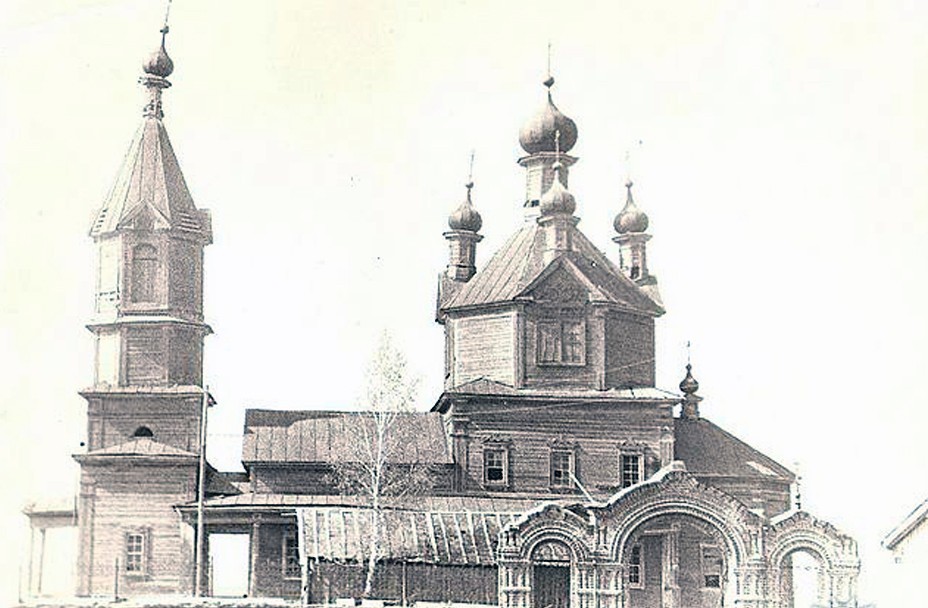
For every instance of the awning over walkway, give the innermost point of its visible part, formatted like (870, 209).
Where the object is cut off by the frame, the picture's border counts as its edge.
(453, 530)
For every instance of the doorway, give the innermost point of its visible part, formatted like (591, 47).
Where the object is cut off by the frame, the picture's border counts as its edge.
(551, 586)
(229, 564)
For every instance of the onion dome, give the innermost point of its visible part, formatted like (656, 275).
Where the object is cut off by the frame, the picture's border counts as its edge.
(631, 218)
(557, 199)
(537, 135)
(158, 63)
(465, 217)
(689, 386)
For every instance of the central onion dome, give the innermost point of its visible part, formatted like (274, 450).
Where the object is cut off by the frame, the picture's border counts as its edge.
(630, 218)
(557, 199)
(537, 135)
(158, 63)
(465, 217)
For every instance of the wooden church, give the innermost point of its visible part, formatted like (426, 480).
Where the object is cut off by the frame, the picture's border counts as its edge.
(559, 474)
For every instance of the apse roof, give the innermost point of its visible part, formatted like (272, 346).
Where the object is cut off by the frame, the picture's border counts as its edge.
(519, 263)
(708, 450)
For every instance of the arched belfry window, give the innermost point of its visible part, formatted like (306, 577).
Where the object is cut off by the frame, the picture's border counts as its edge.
(144, 269)
(143, 431)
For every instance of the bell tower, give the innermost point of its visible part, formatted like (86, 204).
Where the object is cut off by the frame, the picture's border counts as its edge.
(144, 405)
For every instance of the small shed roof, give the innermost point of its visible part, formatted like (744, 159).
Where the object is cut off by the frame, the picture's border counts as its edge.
(445, 530)
(906, 526)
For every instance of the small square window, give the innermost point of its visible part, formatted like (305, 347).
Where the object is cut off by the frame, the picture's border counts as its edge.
(291, 555)
(495, 466)
(562, 468)
(630, 469)
(636, 568)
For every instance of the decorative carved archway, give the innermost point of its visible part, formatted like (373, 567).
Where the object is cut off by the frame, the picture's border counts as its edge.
(836, 552)
(595, 538)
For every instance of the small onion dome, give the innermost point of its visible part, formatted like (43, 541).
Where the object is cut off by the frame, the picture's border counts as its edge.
(158, 63)
(557, 199)
(465, 217)
(537, 135)
(689, 385)
(631, 218)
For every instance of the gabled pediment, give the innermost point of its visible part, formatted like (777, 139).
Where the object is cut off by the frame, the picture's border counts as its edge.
(561, 283)
(574, 279)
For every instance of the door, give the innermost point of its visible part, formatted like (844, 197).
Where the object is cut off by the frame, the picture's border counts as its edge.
(551, 586)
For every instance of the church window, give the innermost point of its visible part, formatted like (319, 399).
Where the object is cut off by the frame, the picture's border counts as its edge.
(495, 466)
(562, 468)
(636, 568)
(561, 343)
(290, 555)
(135, 552)
(143, 431)
(711, 567)
(630, 469)
(144, 268)
(635, 272)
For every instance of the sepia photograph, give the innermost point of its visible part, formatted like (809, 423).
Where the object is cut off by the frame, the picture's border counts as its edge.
(464, 304)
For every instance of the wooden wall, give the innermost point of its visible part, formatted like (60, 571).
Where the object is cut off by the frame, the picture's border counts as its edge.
(629, 350)
(483, 346)
(135, 498)
(596, 433)
(417, 581)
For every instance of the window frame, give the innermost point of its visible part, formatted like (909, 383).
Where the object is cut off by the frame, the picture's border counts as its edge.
(503, 450)
(568, 483)
(638, 549)
(560, 329)
(639, 455)
(289, 541)
(144, 271)
(130, 553)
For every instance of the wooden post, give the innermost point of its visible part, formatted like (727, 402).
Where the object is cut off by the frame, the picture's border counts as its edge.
(41, 560)
(116, 581)
(255, 543)
(201, 491)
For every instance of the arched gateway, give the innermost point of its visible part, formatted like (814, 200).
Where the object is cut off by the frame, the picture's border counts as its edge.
(670, 542)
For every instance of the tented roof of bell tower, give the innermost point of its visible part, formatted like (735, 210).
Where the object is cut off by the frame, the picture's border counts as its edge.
(150, 181)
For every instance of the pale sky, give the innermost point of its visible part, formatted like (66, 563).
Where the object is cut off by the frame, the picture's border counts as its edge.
(782, 162)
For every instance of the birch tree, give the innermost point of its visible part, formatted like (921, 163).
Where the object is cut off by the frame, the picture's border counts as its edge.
(378, 446)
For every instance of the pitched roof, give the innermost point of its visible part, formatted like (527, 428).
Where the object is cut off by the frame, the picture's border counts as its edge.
(519, 264)
(150, 182)
(912, 521)
(278, 436)
(141, 446)
(708, 450)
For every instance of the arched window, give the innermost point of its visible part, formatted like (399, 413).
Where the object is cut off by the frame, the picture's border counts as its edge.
(144, 269)
(143, 431)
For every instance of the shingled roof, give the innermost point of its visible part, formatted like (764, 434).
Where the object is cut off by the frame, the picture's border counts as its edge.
(320, 437)
(519, 264)
(709, 450)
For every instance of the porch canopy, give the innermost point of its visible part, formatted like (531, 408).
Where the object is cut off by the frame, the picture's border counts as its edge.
(446, 530)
